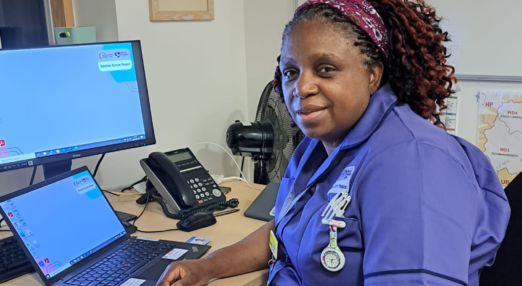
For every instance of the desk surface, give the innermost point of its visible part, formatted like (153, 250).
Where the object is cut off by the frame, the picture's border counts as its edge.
(228, 230)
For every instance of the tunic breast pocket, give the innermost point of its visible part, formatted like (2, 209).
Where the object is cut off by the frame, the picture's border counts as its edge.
(349, 238)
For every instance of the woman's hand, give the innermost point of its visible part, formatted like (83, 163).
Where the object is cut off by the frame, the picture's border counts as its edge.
(187, 273)
(250, 254)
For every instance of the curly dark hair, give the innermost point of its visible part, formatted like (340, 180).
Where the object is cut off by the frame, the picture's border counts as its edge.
(416, 66)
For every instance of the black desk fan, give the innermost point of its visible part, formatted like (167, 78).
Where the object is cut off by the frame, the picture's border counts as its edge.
(270, 140)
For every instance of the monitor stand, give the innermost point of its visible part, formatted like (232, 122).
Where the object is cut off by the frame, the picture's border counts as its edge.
(56, 168)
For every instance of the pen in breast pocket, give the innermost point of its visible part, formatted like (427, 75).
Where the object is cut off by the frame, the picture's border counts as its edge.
(226, 212)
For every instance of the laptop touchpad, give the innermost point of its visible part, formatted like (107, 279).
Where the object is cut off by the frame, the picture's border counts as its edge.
(154, 271)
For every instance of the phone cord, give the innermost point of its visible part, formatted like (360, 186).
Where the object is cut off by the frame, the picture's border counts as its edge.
(182, 214)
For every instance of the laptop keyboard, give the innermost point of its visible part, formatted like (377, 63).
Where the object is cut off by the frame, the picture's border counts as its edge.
(117, 267)
(13, 261)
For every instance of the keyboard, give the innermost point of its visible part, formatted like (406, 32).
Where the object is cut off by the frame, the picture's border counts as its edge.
(119, 265)
(13, 261)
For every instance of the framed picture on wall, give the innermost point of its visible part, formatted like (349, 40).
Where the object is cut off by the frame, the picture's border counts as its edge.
(181, 10)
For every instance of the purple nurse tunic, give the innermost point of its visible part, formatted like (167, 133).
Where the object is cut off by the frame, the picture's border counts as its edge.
(427, 207)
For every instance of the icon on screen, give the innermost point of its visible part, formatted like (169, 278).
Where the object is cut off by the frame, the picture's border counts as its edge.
(22, 234)
(57, 151)
(10, 214)
(16, 224)
(45, 153)
(46, 260)
(76, 148)
(2, 142)
(41, 264)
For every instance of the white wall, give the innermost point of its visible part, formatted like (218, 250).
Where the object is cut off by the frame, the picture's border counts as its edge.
(486, 35)
(98, 13)
(264, 24)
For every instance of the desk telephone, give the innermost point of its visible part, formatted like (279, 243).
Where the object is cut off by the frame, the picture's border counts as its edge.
(183, 183)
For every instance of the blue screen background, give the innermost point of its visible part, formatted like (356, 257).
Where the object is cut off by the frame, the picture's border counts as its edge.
(59, 97)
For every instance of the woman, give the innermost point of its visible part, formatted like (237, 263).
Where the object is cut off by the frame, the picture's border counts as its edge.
(376, 194)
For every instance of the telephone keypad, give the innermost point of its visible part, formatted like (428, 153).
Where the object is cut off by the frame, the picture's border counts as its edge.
(204, 189)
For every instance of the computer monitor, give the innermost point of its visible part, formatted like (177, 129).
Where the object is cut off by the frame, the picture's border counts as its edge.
(60, 103)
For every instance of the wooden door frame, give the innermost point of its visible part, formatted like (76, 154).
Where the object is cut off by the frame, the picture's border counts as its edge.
(62, 13)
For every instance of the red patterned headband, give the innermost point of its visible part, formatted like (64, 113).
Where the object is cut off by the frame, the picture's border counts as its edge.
(361, 13)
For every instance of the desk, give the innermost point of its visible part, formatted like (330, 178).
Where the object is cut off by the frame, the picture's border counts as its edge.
(228, 230)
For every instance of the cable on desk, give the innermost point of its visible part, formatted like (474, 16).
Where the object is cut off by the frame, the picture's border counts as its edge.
(32, 177)
(156, 231)
(144, 208)
(242, 165)
(149, 231)
(109, 192)
(98, 165)
(144, 179)
(105, 191)
(184, 213)
(230, 155)
(96, 172)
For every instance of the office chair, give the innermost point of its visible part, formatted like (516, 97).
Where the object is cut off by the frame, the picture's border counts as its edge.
(507, 270)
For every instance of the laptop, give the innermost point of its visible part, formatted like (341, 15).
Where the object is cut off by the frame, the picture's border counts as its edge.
(72, 236)
(263, 207)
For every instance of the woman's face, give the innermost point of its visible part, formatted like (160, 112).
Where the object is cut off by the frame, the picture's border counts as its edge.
(325, 84)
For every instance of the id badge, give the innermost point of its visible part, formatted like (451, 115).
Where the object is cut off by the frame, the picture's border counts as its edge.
(342, 184)
(273, 244)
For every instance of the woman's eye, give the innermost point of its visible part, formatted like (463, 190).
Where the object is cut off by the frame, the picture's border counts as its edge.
(326, 69)
(289, 73)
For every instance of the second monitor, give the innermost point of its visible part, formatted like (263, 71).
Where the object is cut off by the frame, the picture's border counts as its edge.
(64, 102)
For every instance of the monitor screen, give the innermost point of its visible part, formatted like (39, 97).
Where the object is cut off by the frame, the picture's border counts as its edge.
(63, 227)
(65, 102)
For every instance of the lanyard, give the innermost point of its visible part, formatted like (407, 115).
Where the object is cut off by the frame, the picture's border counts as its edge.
(336, 161)
(338, 157)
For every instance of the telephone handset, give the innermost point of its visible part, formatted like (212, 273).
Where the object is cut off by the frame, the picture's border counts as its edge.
(181, 180)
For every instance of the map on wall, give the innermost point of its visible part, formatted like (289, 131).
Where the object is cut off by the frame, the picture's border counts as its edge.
(449, 115)
(500, 132)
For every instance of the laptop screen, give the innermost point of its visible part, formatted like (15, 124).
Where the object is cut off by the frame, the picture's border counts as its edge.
(64, 222)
